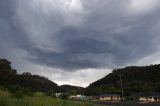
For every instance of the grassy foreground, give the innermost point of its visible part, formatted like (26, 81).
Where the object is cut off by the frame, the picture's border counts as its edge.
(38, 99)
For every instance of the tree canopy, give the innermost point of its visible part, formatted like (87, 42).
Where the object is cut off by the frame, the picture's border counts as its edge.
(134, 79)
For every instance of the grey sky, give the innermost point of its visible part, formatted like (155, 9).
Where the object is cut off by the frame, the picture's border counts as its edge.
(79, 41)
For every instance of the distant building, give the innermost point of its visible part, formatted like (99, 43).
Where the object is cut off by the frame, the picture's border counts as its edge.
(91, 97)
(151, 97)
(77, 97)
(109, 97)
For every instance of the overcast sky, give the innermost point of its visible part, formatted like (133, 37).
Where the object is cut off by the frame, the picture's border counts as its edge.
(79, 41)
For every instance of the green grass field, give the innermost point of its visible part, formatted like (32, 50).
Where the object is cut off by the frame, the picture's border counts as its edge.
(37, 99)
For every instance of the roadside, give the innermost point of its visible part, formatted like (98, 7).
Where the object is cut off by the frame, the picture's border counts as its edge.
(126, 104)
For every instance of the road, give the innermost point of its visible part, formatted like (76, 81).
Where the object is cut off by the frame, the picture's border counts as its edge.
(128, 104)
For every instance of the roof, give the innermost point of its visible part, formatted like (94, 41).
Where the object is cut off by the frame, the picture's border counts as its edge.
(108, 95)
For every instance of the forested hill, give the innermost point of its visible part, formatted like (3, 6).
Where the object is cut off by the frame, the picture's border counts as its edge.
(134, 78)
(69, 88)
(13, 81)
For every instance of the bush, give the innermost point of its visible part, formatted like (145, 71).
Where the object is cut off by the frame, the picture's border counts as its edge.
(3, 88)
(21, 93)
(18, 94)
(51, 93)
(64, 96)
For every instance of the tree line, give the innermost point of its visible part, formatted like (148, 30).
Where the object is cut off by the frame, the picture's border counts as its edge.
(12, 81)
(134, 79)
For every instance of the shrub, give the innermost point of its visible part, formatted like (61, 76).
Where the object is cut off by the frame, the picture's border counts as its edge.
(3, 88)
(64, 96)
(21, 93)
(18, 94)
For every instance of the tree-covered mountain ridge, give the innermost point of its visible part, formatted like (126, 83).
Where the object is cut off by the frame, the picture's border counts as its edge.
(35, 83)
(134, 79)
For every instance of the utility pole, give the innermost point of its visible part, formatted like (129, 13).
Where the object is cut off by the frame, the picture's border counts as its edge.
(121, 87)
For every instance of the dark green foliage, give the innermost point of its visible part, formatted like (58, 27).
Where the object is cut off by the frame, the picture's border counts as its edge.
(69, 89)
(73, 92)
(51, 93)
(134, 78)
(3, 88)
(21, 92)
(18, 94)
(13, 81)
(16, 82)
(146, 90)
(7, 74)
(64, 96)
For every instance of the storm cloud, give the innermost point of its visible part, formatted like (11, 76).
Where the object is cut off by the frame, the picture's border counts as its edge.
(73, 35)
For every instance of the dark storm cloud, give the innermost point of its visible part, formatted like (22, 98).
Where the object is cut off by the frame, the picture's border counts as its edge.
(91, 36)
(89, 52)
(10, 32)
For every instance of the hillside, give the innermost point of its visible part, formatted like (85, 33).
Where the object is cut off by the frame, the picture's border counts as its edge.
(69, 88)
(134, 78)
(35, 83)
